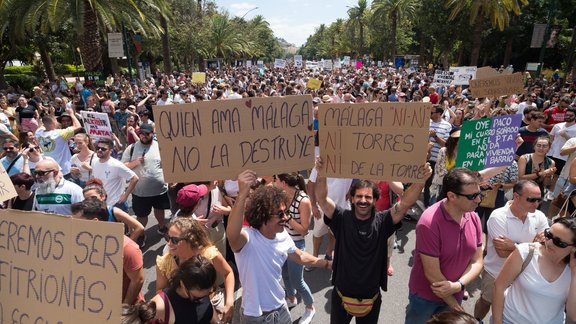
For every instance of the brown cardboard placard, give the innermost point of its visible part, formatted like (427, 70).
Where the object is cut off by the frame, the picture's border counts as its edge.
(486, 72)
(56, 269)
(213, 140)
(7, 190)
(499, 85)
(378, 141)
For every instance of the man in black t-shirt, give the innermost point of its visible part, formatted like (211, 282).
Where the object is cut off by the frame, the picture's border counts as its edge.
(360, 257)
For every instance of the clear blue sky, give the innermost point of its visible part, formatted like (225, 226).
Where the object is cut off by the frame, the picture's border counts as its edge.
(293, 20)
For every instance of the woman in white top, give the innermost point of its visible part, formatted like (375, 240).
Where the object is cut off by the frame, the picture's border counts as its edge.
(546, 287)
(82, 161)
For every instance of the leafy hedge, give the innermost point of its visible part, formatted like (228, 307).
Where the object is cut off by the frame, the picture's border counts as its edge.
(25, 69)
(23, 81)
(66, 69)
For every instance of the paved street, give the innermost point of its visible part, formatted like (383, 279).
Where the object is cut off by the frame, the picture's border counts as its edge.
(393, 302)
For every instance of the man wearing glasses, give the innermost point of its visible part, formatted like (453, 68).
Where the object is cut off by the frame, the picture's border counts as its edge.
(151, 191)
(54, 193)
(448, 253)
(13, 161)
(519, 221)
(114, 175)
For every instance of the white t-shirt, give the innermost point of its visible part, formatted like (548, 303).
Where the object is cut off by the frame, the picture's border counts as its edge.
(114, 175)
(151, 177)
(559, 140)
(522, 106)
(54, 144)
(84, 174)
(59, 202)
(532, 299)
(503, 222)
(566, 171)
(260, 268)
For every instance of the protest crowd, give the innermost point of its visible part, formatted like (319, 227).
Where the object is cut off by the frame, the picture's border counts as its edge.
(483, 224)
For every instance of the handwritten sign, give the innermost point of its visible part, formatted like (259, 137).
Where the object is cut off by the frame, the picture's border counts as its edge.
(337, 63)
(279, 63)
(487, 142)
(328, 65)
(313, 84)
(463, 74)
(380, 141)
(219, 139)
(198, 77)
(298, 61)
(97, 124)
(7, 190)
(443, 77)
(502, 145)
(55, 269)
(500, 85)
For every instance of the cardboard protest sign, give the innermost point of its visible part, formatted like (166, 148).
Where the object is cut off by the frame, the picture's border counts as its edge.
(198, 77)
(443, 77)
(500, 85)
(313, 84)
(260, 63)
(487, 142)
(328, 65)
(54, 269)
(463, 74)
(249, 64)
(337, 64)
(486, 72)
(379, 141)
(97, 124)
(206, 141)
(7, 190)
(346, 60)
(279, 63)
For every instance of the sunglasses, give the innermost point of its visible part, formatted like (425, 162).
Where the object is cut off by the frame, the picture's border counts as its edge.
(32, 148)
(40, 173)
(534, 199)
(174, 239)
(281, 214)
(100, 148)
(9, 148)
(472, 196)
(558, 242)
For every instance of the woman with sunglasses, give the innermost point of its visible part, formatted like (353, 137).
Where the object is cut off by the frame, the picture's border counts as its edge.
(187, 238)
(185, 300)
(300, 215)
(546, 286)
(95, 189)
(537, 166)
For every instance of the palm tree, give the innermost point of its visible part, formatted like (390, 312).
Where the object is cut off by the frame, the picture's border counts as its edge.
(92, 19)
(223, 39)
(357, 18)
(498, 11)
(395, 10)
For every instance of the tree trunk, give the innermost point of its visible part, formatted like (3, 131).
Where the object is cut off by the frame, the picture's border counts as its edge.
(476, 39)
(393, 36)
(89, 40)
(3, 83)
(165, 45)
(508, 51)
(114, 65)
(361, 41)
(422, 51)
(461, 55)
(46, 60)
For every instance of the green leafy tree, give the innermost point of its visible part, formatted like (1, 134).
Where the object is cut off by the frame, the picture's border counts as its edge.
(357, 17)
(395, 10)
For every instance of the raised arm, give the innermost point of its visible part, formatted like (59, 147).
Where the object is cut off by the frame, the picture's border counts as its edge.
(236, 238)
(410, 197)
(321, 191)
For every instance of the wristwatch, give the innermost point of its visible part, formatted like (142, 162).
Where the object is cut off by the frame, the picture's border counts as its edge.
(462, 286)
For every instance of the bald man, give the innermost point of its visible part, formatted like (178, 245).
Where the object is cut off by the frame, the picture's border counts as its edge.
(54, 194)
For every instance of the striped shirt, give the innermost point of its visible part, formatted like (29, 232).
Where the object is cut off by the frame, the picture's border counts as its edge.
(442, 129)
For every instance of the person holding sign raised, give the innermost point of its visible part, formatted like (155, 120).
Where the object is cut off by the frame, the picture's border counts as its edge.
(262, 249)
(360, 257)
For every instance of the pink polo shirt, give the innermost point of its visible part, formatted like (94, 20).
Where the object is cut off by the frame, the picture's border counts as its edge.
(439, 236)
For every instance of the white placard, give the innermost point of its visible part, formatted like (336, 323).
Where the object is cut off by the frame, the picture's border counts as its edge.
(298, 61)
(279, 63)
(463, 74)
(97, 124)
(115, 45)
(443, 77)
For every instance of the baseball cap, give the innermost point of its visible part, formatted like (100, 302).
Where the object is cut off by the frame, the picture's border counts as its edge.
(189, 195)
(146, 128)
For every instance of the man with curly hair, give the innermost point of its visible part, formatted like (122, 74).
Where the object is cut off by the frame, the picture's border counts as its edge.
(262, 249)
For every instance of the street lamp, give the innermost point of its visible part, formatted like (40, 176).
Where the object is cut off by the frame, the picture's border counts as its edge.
(247, 12)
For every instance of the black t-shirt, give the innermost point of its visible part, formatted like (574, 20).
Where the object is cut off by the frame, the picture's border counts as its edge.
(187, 311)
(529, 140)
(361, 252)
(26, 112)
(27, 204)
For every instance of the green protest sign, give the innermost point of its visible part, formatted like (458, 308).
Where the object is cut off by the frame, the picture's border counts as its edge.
(473, 144)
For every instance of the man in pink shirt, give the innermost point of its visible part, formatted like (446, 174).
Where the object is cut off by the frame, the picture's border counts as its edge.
(448, 248)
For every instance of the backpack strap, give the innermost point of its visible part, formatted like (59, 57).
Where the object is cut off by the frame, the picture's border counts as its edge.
(131, 152)
(12, 163)
(528, 259)
(90, 163)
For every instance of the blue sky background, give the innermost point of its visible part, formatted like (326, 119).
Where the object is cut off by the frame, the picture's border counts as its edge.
(293, 20)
